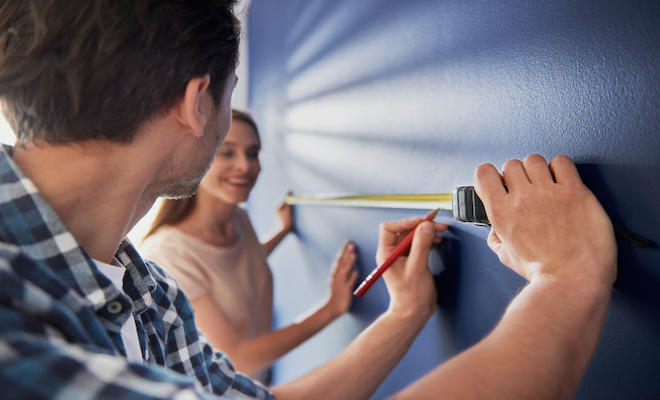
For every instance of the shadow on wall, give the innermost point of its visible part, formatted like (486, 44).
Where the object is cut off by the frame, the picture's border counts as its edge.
(629, 196)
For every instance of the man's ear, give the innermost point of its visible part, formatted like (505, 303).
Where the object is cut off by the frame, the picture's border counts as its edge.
(195, 105)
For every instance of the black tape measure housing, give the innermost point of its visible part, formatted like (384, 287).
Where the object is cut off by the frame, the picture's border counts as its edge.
(467, 206)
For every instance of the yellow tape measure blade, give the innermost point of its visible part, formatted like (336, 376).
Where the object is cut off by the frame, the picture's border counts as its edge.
(406, 201)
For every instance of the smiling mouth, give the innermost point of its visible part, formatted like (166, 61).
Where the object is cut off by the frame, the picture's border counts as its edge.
(240, 182)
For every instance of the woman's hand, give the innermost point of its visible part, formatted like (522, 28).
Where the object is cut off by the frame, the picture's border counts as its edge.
(285, 213)
(342, 280)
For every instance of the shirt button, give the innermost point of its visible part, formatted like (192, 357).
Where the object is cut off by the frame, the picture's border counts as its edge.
(114, 307)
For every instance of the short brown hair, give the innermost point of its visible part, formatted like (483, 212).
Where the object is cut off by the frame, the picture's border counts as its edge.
(72, 70)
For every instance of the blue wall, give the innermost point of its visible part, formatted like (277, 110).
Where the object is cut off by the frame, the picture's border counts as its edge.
(385, 96)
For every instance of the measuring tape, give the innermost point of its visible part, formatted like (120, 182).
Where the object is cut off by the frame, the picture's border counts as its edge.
(464, 202)
(409, 201)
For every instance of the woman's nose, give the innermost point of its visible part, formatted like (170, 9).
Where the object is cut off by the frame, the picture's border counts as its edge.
(243, 163)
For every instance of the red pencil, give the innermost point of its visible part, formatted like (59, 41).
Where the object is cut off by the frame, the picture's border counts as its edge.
(396, 253)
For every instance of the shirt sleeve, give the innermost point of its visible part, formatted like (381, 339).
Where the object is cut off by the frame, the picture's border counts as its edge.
(40, 361)
(214, 371)
(34, 368)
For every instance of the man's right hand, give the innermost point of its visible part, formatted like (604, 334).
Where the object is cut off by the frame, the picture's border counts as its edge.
(546, 221)
(409, 280)
(554, 232)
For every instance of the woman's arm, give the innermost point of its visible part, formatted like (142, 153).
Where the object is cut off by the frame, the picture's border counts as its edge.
(285, 214)
(255, 354)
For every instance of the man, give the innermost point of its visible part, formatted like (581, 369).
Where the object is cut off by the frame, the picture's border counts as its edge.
(118, 102)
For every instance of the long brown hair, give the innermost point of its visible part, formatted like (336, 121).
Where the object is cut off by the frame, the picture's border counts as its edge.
(172, 211)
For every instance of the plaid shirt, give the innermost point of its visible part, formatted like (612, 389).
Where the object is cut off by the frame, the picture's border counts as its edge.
(60, 317)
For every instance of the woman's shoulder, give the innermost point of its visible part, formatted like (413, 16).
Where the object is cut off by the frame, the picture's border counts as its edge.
(241, 213)
(167, 240)
(163, 235)
(245, 228)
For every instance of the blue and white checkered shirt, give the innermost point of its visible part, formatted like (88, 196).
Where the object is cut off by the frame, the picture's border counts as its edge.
(60, 318)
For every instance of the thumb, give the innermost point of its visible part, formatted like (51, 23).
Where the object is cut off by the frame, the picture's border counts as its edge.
(494, 241)
(495, 244)
(421, 245)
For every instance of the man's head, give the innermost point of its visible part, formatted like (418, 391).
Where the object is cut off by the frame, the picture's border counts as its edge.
(73, 70)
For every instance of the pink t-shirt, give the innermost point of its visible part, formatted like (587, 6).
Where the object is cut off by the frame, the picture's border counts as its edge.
(237, 277)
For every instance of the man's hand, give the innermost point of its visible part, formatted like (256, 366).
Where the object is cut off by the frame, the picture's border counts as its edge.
(547, 220)
(357, 372)
(552, 231)
(409, 280)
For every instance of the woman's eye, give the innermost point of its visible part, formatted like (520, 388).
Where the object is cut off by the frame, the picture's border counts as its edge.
(225, 154)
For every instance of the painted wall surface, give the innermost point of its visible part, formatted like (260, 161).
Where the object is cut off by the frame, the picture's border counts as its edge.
(388, 96)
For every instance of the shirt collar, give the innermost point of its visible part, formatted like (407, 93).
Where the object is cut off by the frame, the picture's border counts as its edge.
(28, 221)
(141, 285)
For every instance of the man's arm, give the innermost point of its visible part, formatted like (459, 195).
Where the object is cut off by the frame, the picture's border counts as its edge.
(358, 371)
(554, 233)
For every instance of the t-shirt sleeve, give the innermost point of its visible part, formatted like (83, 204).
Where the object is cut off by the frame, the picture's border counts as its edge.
(180, 262)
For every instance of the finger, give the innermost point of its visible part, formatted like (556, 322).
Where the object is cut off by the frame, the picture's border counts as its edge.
(494, 241)
(536, 168)
(488, 184)
(421, 245)
(344, 250)
(401, 225)
(440, 227)
(348, 260)
(514, 174)
(564, 170)
(496, 245)
(348, 255)
(393, 232)
(352, 279)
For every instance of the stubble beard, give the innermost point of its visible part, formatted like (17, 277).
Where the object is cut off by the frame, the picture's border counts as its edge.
(188, 181)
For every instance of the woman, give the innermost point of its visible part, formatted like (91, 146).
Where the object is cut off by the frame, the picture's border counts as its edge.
(208, 244)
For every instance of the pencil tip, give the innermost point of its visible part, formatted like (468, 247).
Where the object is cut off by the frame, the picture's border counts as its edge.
(433, 213)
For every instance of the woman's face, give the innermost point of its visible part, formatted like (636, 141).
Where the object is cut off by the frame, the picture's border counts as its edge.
(236, 166)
